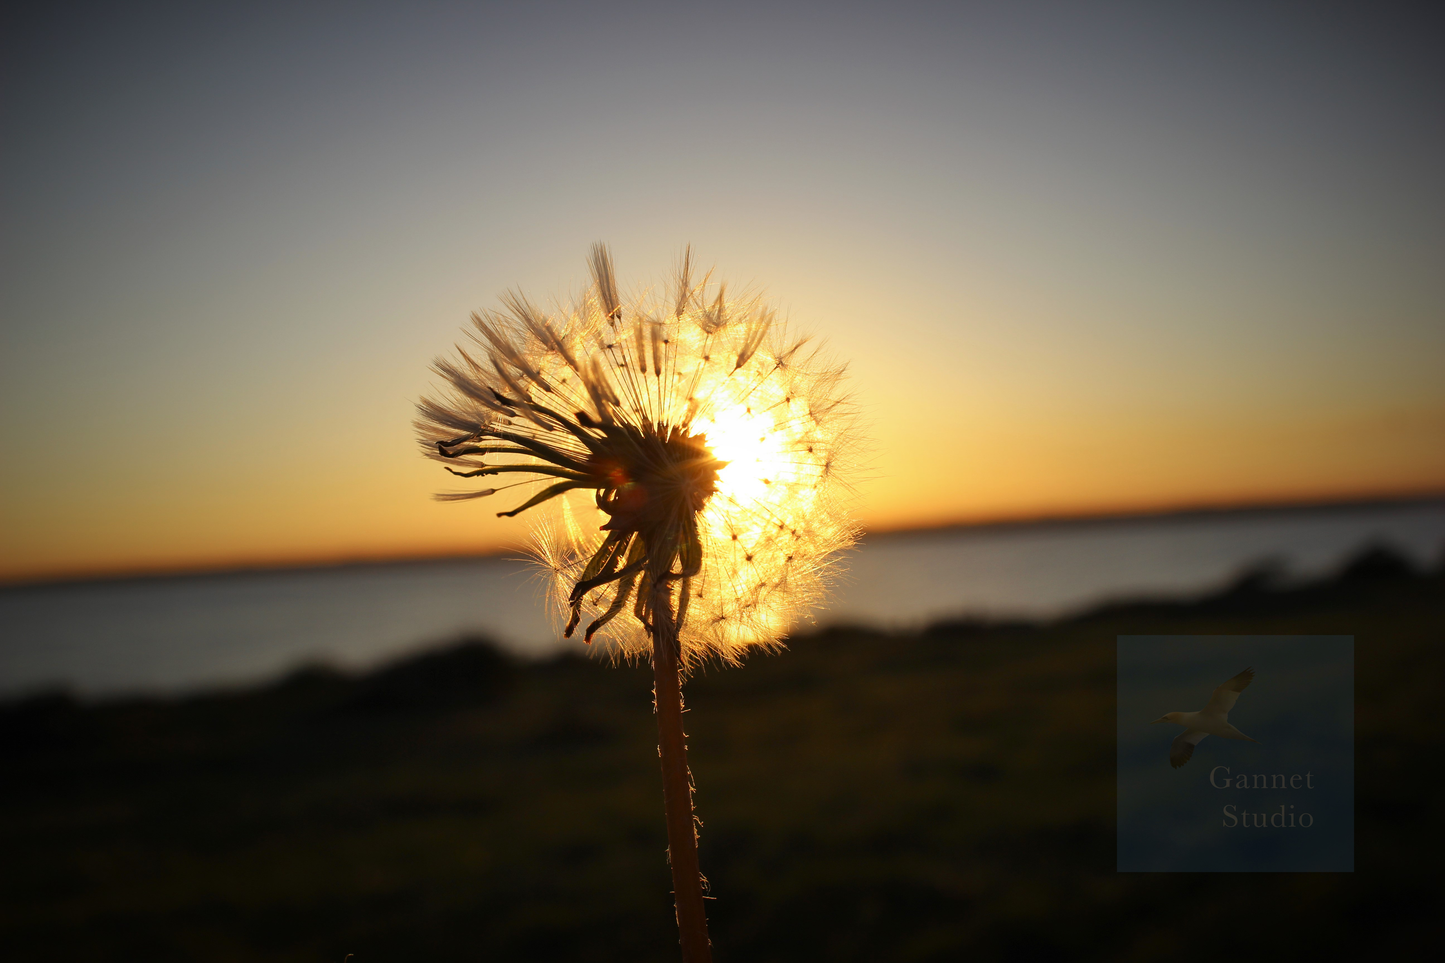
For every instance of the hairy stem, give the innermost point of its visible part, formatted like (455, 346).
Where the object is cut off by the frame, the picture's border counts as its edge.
(677, 784)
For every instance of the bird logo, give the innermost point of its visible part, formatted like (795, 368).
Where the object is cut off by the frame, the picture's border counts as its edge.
(1212, 720)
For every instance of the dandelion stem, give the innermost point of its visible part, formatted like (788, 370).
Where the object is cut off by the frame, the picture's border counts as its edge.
(677, 782)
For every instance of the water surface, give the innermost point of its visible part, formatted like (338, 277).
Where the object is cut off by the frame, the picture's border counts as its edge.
(168, 634)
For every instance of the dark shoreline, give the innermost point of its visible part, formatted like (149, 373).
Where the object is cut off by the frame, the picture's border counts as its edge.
(1203, 514)
(866, 796)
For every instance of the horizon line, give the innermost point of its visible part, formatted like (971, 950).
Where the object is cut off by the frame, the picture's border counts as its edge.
(1103, 517)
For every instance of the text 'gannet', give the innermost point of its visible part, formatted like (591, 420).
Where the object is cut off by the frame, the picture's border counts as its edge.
(1212, 720)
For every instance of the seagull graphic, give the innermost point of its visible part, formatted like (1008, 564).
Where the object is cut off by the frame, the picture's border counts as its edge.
(1213, 720)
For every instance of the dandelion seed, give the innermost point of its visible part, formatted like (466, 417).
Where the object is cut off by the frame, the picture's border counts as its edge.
(694, 448)
(686, 439)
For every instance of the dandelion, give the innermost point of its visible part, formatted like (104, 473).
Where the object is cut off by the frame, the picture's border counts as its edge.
(696, 452)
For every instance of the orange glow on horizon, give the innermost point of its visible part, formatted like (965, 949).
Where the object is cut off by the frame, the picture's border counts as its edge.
(125, 565)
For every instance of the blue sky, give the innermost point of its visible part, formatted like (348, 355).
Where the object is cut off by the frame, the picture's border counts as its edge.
(1080, 258)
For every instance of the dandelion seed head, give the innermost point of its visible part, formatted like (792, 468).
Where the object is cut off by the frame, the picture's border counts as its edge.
(693, 443)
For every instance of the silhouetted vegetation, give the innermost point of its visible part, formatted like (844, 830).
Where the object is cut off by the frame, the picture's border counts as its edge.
(867, 797)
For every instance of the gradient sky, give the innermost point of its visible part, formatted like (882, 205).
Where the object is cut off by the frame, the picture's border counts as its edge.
(1082, 258)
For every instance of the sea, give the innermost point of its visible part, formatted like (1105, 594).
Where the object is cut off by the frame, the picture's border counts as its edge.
(181, 634)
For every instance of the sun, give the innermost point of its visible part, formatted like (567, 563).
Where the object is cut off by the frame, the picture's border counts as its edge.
(751, 446)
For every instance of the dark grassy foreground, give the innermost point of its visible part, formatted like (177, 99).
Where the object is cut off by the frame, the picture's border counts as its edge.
(866, 797)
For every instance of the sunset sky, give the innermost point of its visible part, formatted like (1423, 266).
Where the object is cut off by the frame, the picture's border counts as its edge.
(1081, 258)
